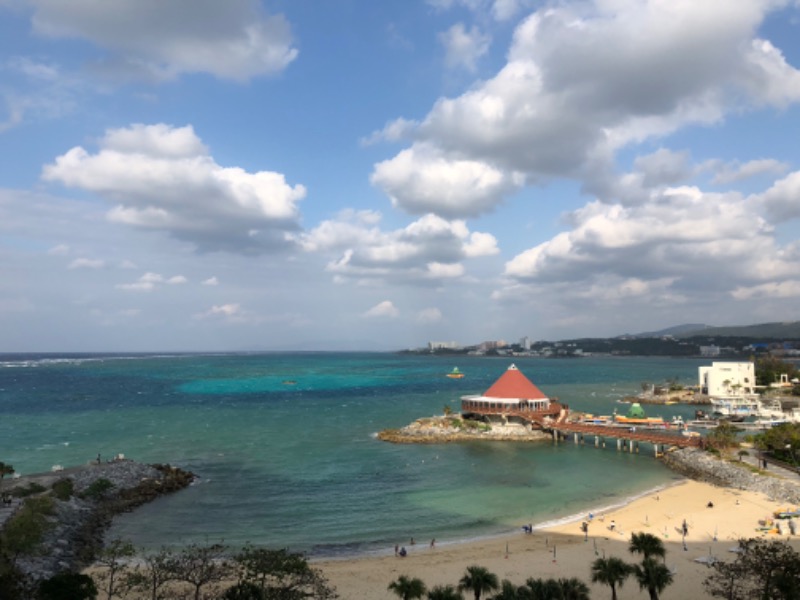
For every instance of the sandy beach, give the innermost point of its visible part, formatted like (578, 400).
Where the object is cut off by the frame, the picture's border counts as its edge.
(560, 551)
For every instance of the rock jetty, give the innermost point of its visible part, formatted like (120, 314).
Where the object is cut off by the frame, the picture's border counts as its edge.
(703, 466)
(85, 500)
(454, 428)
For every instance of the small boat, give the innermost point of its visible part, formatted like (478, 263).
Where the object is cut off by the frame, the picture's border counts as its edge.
(455, 374)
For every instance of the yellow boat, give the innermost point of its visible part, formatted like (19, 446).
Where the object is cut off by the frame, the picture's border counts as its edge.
(455, 374)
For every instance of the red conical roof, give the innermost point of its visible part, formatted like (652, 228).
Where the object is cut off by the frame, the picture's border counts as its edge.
(513, 384)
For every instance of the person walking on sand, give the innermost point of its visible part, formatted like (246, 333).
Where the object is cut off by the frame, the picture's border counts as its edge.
(433, 543)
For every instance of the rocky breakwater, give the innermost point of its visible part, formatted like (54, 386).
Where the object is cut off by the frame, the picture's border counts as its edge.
(78, 506)
(703, 466)
(454, 428)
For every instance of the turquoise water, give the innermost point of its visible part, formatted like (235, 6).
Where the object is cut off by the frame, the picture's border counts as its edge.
(297, 464)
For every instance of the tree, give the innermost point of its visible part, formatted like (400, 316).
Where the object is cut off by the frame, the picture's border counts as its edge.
(24, 532)
(112, 581)
(407, 588)
(762, 569)
(652, 576)
(444, 592)
(508, 591)
(723, 436)
(157, 569)
(6, 470)
(611, 571)
(573, 588)
(478, 580)
(281, 574)
(67, 586)
(781, 440)
(244, 590)
(647, 545)
(201, 566)
(541, 589)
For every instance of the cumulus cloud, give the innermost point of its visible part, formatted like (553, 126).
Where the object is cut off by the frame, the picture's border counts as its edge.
(684, 245)
(234, 40)
(780, 200)
(464, 47)
(582, 81)
(162, 178)
(428, 248)
(423, 180)
(383, 309)
(211, 281)
(59, 250)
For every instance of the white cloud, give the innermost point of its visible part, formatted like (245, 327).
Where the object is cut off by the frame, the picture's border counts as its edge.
(363, 250)
(59, 250)
(582, 81)
(161, 178)
(150, 281)
(421, 180)
(211, 281)
(771, 290)
(383, 309)
(160, 40)
(87, 263)
(464, 47)
(733, 172)
(781, 200)
(429, 315)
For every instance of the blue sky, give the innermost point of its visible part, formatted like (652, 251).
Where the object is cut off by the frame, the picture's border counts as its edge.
(205, 175)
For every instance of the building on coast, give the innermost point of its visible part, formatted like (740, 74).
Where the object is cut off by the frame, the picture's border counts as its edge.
(513, 397)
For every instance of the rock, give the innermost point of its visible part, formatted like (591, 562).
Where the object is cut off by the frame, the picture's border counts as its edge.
(702, 466)
(453, 428)
(80, 523)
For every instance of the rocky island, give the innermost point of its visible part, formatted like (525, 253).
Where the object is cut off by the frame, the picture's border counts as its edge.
(455, 428)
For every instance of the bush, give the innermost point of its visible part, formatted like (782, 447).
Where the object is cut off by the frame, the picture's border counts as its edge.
(28, 490)
(67, 586)
(63, 489)
(97, 489)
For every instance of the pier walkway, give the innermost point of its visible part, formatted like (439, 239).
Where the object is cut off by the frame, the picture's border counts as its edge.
(627, 437)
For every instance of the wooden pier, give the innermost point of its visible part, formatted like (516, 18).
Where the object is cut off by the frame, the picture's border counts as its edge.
(627, 438)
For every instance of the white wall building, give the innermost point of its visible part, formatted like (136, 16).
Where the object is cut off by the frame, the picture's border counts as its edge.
(728, 379)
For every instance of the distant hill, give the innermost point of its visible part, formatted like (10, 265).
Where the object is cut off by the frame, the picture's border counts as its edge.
(777, 331)
(676, 331)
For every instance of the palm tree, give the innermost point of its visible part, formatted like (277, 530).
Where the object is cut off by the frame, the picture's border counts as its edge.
(612, 571)
(407, 588)
(652, 575)
(541, 589)
(479, 580)
(573, 589)
(508, 591)
(444, 592)
(647, 544)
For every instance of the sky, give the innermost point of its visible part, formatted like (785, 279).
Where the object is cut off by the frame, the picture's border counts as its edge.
(200, 175)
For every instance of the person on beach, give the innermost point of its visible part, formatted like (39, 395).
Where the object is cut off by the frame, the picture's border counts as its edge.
(402, 552)
(685, 528)
(433, 543)
(395, 549)
(613, 525)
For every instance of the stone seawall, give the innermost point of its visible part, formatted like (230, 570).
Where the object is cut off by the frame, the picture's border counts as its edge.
(99, 492)
(702, 466)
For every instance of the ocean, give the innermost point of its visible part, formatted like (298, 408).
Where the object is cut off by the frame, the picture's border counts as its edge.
(285, 449)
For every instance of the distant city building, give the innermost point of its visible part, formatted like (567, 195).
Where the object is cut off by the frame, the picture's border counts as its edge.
(709, 351)
(433, 346)
(525, 343)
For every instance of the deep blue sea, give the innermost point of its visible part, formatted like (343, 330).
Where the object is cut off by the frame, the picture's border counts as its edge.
(285, 446)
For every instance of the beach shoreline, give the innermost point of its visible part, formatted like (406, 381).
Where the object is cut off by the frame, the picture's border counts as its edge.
(563, 550)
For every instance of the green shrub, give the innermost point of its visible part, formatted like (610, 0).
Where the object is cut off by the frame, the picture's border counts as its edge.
(63, 489)
(28, 490)
(97, 489)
